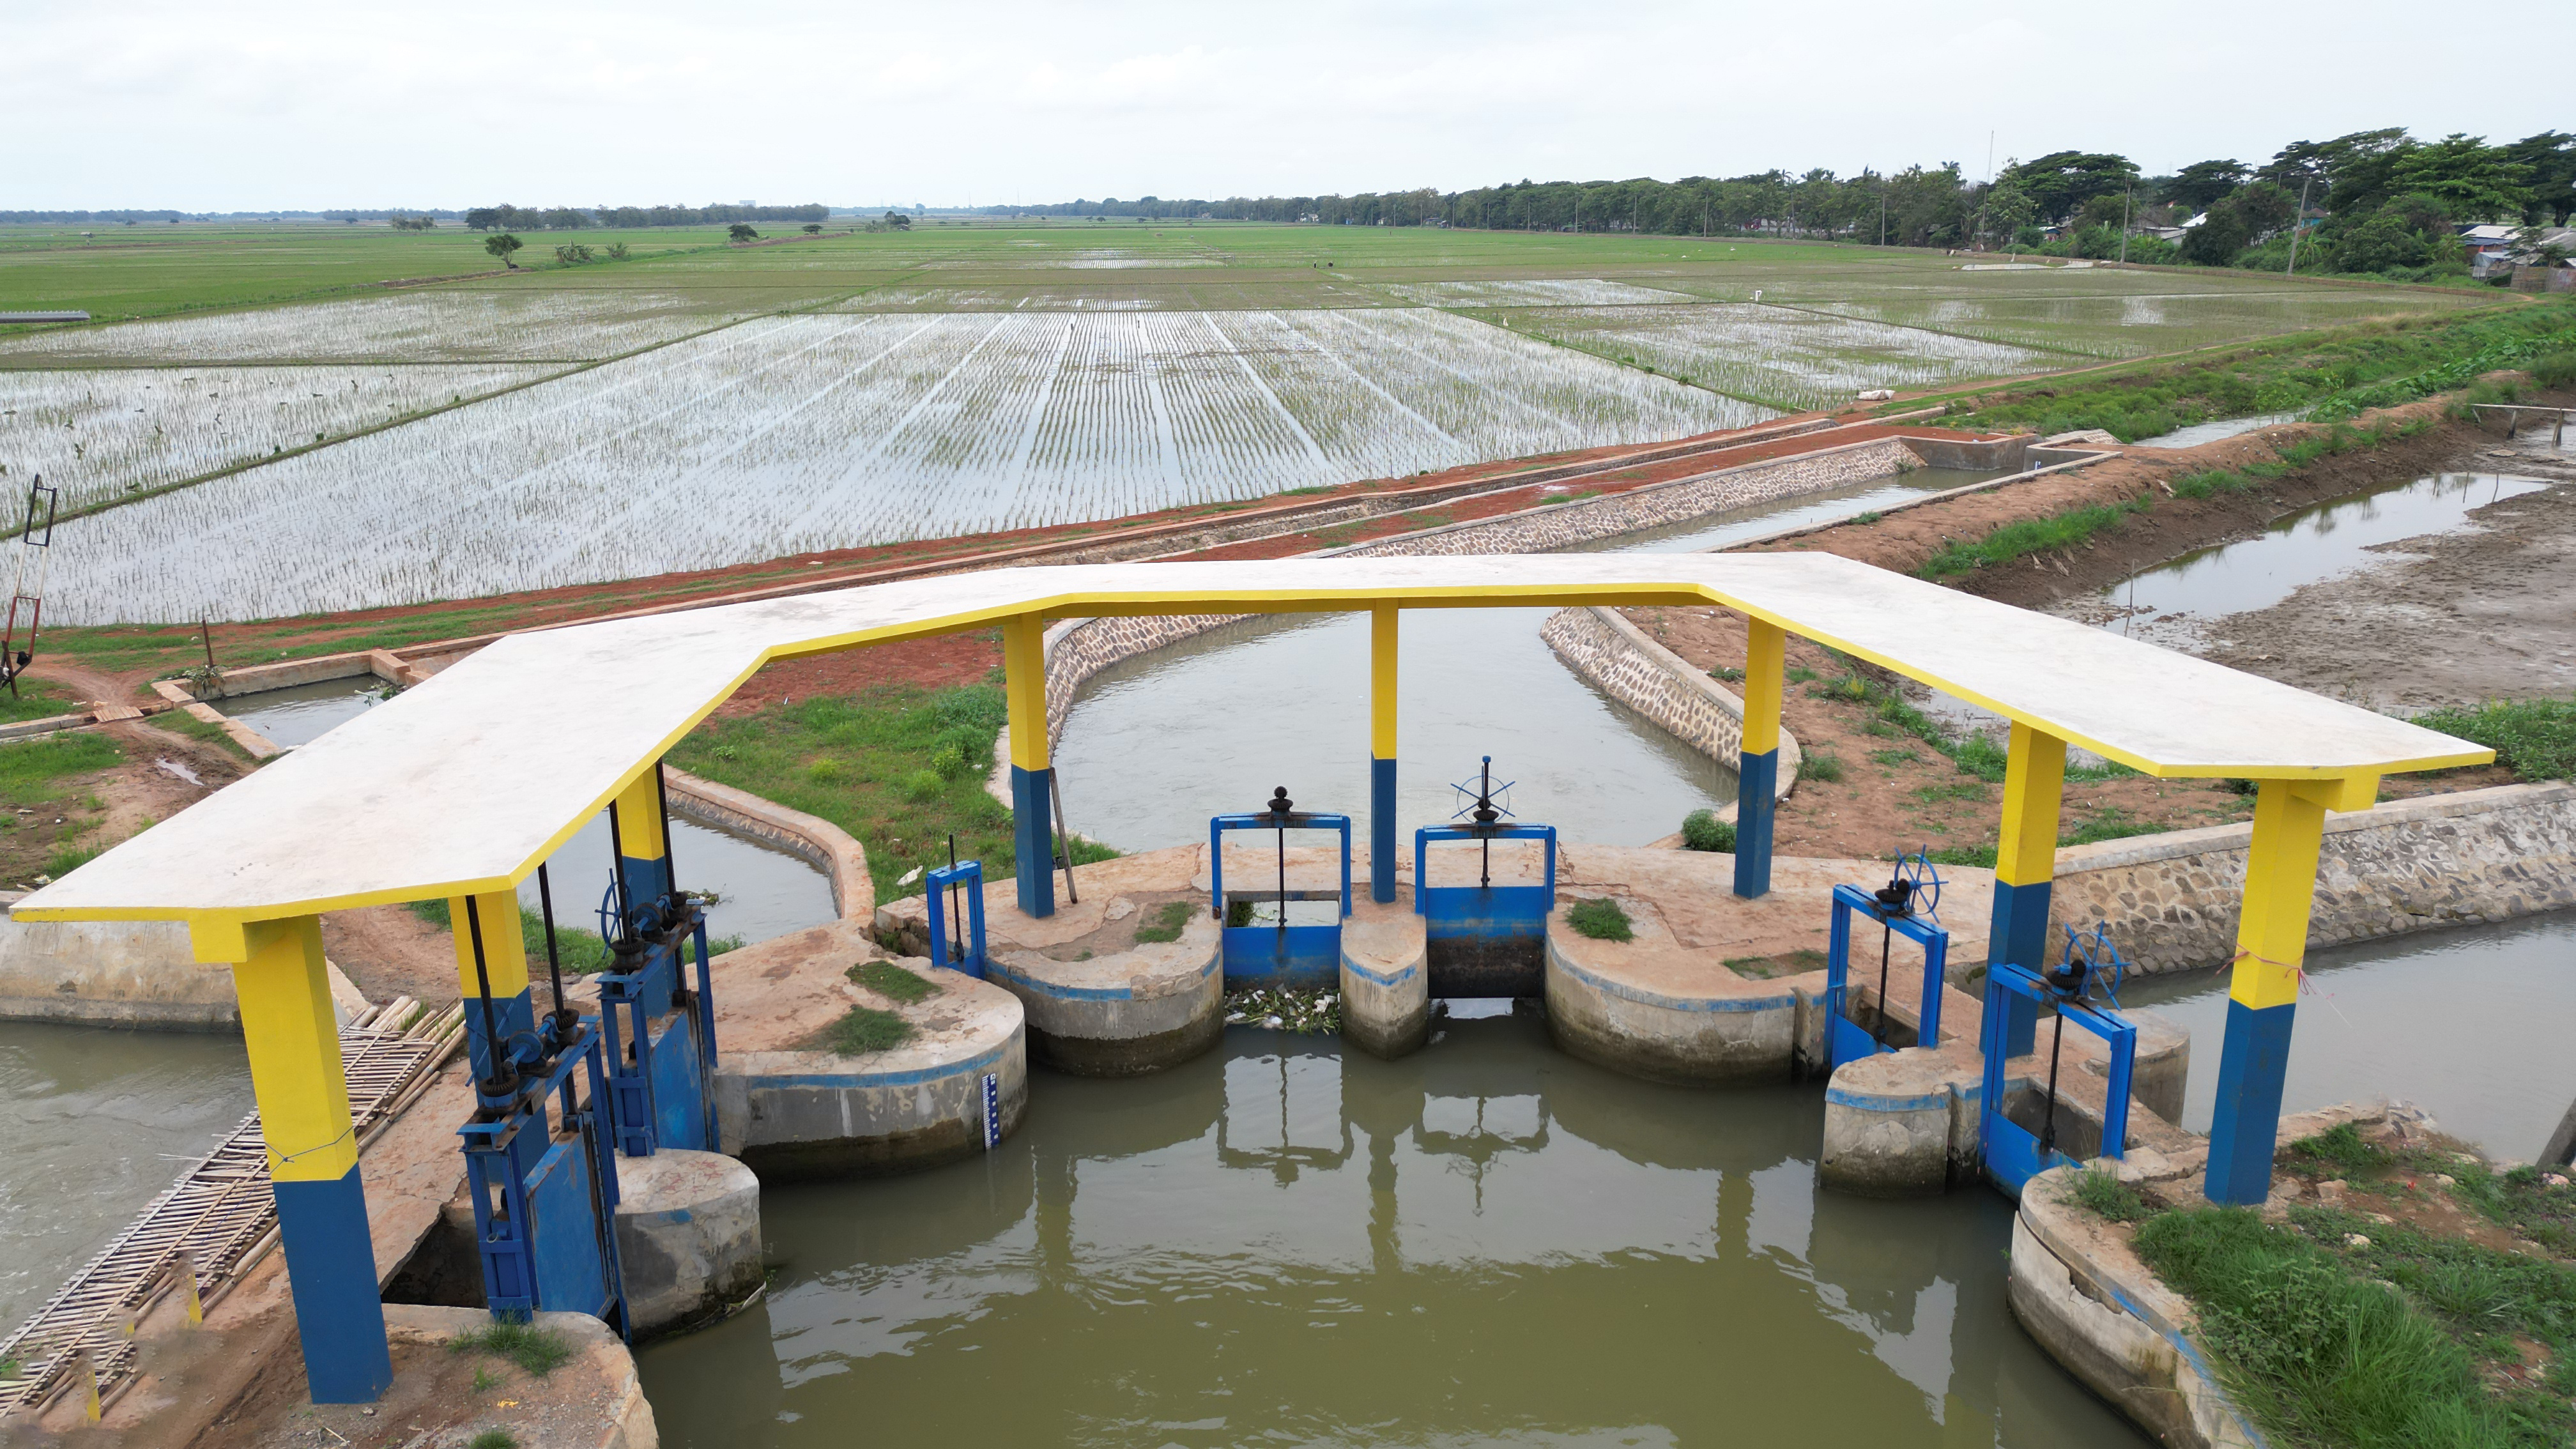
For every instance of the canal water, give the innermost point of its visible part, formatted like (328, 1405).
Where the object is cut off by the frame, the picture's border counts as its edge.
(761, 891)
(302, 713)
(1485, 1243)
(98, 1122)
(1157, 744)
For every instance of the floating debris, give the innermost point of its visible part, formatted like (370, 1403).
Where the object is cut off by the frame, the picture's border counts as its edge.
(1308, 1011)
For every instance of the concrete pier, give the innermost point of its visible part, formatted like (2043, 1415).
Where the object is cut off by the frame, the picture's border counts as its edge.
(1385, 980)
(688, 1238)
(1099, 1001)
(792, 1107)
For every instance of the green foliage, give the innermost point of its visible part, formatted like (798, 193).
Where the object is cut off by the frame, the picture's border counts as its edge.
(539, 1351)
(2106, 1196)
(892, 982)
(501, 246)
(2210, 484)
(1702, 830)
(71, 858)
(1601, 919)
(2558, 369)
(1167, 921)
(2341, 1147)
(2534, 738)
(2020, 537)
(493, 1439)
(864, 1029)
(1822, 767)
(2315, 1353)
(741, 231)
(30, 770)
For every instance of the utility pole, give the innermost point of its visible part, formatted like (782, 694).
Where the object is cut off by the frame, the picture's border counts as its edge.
(2297, 221)
(2124, 223)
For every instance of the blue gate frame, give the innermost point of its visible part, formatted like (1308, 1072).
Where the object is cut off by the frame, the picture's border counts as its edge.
(544, 1181)
(1282, 954)
(1483, 940)
(1844, 1040)
(969, 877)
(661, 1041)
(2012, 1152)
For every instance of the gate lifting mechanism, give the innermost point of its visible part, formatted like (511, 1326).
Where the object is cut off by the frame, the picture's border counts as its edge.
(1484, 940)
(661, 1035)
(1278, 954)
(957, 937)
(2014, 1153)
(1909, 905)
(27, 590)
(542, 1172)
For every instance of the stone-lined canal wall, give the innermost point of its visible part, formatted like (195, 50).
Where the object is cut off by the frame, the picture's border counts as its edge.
(1617, 657)
(824, 845)
(2469, 858)
(1080, 648)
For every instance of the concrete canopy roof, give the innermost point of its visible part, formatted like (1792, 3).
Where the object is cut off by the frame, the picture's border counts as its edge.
(465, 783)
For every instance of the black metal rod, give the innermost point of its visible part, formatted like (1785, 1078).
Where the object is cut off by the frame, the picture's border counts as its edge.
(1283, 875)
(546, 906)
(1886, 936)
(662, 795)
(956, 923)
(617, 871)
(483, 987)
(1063, 841)
(2048, 1126)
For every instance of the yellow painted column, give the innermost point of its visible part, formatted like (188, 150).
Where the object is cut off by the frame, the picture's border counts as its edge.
(1757, 767)
(2263, 994)
(1032, 777)
(495, 914)
(2025, 871)
(643, 841)
(292, 1035)
(1382, 677)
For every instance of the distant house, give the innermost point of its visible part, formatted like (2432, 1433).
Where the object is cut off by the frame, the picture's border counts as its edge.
(2489, 247)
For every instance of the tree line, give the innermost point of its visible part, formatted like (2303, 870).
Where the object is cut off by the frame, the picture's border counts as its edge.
(506, 217)
(2375, 201)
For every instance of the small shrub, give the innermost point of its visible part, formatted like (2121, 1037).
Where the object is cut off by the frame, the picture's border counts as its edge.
(924, 785)
(492, 1439)
(71, 858)
(892, 982)
(540, 1351)
(2343, 1147)
(2105, 1196)
(864, 1029)
(1601, 919)
(1728, 673)
(826, 771)
(1822, 768)
(1702, 830)
(1166, 922)
(2534, 738)
(2558, 369)
(949, 761)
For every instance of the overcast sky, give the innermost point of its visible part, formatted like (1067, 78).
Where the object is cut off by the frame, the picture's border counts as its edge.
(215, 105)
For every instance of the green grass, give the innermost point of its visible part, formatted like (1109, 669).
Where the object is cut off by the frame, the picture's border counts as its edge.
(493, 1439)
(1601, 919)
(1168, 920)
(892, 982)
(2105, 1196)
(2321, 1355)
(30, 771)
(2341, 1148)
(882, 785)
(2071, 528)
(2534, 738)
(1702, 830)
(1821, 766)
(580, 952)
(71, 858)
(539, 1351)
(864, 1029)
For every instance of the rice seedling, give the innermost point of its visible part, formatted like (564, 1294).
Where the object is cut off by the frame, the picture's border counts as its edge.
(441, 326)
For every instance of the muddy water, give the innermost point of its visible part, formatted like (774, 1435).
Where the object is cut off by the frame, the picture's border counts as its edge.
(97, 1123)
(1485, 1243)
(762, 891)
(2470, 1025)
(1156, 745)
(303, 713)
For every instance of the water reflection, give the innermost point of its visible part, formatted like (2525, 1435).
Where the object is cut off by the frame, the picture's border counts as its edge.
(1487, 1242)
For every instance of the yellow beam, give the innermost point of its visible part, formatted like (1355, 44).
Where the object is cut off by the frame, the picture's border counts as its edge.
(1382, 639)
(505, 951)
(2280, 884)
(639, 822)
(2034, 786)
(1025, 687)
(294, 1042)
(1766, 653)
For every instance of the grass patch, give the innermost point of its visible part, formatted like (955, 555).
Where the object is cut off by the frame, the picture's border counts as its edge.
(180, 722)
(2317, 1354)
(864, 1029)
(71, 858)
(1601, 919)
(1702, 830)
(2024, 536)
(2105, 1196)
(2341, 1147)
(1822, 767)
(907, 770)
(1166, 923)
(2534, 738)
(493, 1439)
(29, 770)
(892, 982)
(539, 1351)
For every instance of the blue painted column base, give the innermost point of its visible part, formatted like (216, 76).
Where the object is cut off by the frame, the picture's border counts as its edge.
(647, 878)
(2017, 932)
(2247, 1125)
(331, 1269)
(1382, 831)
(1757, 784)
(516, 1018)
(1033, 838)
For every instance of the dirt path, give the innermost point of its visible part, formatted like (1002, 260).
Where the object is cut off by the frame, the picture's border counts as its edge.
(386, 952)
